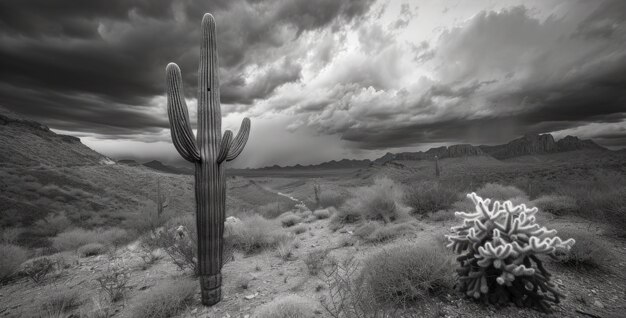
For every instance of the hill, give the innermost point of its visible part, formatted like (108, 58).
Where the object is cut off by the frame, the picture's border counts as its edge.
(159, 166)
(29, 143)
(539, 144)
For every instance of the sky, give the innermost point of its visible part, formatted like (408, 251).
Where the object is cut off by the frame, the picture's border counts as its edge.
(321, 80)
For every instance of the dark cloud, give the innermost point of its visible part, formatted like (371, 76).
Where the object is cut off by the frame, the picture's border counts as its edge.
(78, 54)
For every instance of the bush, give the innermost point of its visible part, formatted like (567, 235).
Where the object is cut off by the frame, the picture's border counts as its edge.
(427, 197)
(299, 229)
(91, 249)
(273, 210)
(169, 298)
(255, 233)
(322, 214)
(441, 216)
(113, 282)
(289, 219)
(382, 200)
(588, 252)
(290, 306)
(314, 260)
(555, 204)
(343, 216)
(501, 192)
(37, 269)
(329, 199)
(12, 257)
(58, 301)
(179, 240)
(500, 268)
(285, 250)
(390, 232)
(408, 272)
(75, 238)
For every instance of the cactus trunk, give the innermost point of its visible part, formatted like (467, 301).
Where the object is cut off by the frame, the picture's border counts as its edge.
(209, 154)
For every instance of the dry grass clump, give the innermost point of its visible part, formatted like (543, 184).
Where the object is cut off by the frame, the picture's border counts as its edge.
(58, 302)
(323, 213)
(375, 232)
(330, 199)
(299, 229)
(91, 249)
(380, 201)
(169, 298)
(255, 233)
(496, 191)
(408, 272)
(442, 215)
(314, 260)
(75, 238)
(12, 257)
(289, 219)
(273, 210)
(430, 196)
(290, 306)
(37, 269)
(555, 204)
(588, 252)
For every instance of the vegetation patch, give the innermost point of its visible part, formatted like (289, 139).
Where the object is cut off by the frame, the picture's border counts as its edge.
(12, 257)
(290, 306)
(169, 298)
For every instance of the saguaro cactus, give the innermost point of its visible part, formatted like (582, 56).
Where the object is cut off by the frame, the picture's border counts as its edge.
(209, 154)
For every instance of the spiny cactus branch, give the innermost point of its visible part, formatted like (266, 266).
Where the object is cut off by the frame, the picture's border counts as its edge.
(240, 140)
(226, 144)
(182, 135)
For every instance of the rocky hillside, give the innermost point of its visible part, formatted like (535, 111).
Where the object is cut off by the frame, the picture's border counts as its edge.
(538, 145)
(27, 143)
(454, 151)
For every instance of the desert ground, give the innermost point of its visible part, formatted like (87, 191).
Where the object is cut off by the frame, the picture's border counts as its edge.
(297, 235)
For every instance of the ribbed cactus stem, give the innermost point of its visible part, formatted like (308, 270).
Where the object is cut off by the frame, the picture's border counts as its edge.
(208, 154)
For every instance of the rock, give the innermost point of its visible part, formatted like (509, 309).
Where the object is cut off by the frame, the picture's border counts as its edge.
(248, 297)
(598, 304)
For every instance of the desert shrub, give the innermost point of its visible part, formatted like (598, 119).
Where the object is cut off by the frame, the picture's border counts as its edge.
(38, 269)
(314, 260)
(408, 272)
(555, 204)
(255, 233)
(390, 232)
(348, 295)
(179, 240)
(299, 229)
(601, 200)
(382, 200)
(284, 250)
(366, 229)
(290, 306)
(344, 216)
(167, 299)
(114, 282)
(431, 196)
(441, 216)
(12, 257)
(91, 249)
(59, 300)
(273, 210)
(500, 268)
(322, 213)
(497, 191)
(289, 219)
(588, 252)
(75, 238)
(53, 224)
(329, 199)
(10, 235)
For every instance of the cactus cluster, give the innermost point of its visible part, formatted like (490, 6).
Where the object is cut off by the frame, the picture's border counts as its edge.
(209, 153)
(500, 245)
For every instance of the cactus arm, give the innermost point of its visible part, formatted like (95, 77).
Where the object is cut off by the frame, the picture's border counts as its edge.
(225, 146)
(240, 140)
(182, 135)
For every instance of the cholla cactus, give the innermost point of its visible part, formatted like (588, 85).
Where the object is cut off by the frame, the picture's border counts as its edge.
(500, 244)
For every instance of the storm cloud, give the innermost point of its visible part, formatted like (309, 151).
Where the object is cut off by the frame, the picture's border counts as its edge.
(352, 77)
